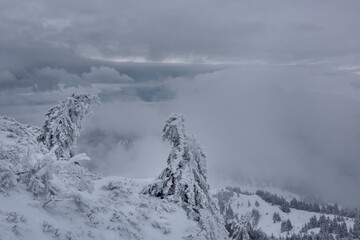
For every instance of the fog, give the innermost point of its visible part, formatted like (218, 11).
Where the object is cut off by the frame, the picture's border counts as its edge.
(270, 89)
(295, 126)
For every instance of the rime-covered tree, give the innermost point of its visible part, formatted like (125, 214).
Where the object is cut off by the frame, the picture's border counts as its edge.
(286, 226)
(356, 228)
(237, 230)
(63, 123)
(276, 217)
(184, 180)
(255, 216)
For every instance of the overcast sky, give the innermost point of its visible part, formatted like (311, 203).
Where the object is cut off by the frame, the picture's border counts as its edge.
(271, 88)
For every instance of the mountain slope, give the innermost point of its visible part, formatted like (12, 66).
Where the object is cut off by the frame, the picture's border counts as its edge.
(247, 206)
(82, 205)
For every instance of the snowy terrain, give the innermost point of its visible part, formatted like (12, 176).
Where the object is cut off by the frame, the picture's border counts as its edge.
(245, 202)
(46, 196)
(89, 206)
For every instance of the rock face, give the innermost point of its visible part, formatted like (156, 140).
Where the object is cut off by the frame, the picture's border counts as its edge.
(184, 180)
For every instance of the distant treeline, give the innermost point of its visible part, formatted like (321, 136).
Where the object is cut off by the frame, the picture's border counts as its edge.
(328, 229)
(285, 206)
(242, 227)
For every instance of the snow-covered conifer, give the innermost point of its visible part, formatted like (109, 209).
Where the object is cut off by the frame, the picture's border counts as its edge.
(286, 226)
(63, 123)
(184, 180)
(276, 217)
(356, 228)
(237, 231)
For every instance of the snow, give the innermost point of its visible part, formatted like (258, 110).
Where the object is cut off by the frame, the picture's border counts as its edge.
(122, 213)
(240, 206)
(86, 205)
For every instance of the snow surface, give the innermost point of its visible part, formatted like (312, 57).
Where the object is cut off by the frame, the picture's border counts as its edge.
(120, 213)
(87, 206)
(243, 204)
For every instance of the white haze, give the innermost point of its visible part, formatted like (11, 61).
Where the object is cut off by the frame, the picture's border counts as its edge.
(297, 125)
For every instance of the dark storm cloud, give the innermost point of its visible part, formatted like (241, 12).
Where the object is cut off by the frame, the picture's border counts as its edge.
(83, 39)
(202, 31)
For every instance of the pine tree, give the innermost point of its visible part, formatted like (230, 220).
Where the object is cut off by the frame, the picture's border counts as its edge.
(184, 180)
(276, 217)
(255, 215)
(229, 214)
(313, 222)
(237, 230)
(63, 123)
(286, 226)
(356, 227)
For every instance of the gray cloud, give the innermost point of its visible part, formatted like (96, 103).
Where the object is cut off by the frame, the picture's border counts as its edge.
(290, 125)
(7, 80)
(289, 111)
(49, 79)
(105, 75)
(167, 31)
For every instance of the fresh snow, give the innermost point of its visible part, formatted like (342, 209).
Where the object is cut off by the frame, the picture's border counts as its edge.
(43, 197)
(85, 205)
(243, 204)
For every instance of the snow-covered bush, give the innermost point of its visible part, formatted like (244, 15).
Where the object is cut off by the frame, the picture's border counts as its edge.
(63, 123)
(7, 176)
(69, 174)
(38, 177)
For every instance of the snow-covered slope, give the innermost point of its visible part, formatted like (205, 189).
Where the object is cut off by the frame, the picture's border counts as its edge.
(114, 210)
(44, 199)
(245, 204)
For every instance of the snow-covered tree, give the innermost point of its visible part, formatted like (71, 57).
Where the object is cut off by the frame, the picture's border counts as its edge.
(356, 228)
(255, 216)
(286, 226)
(184, 180)
(237, 230)
(63, 123)
(276, 217)
(38, 178)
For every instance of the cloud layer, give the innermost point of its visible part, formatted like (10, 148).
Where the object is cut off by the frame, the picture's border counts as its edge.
(294, 126)
(159, 30)
(270, 88)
